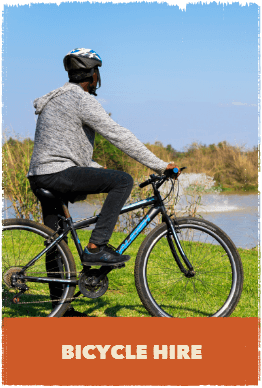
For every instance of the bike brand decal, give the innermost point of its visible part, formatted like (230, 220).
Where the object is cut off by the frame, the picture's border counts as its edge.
(151, 199)
(134, 234)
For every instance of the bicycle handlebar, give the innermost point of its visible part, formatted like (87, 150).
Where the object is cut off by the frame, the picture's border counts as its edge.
(154, 178)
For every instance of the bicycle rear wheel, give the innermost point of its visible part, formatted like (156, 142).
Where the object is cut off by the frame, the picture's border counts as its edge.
(22, 240)
(213, 291)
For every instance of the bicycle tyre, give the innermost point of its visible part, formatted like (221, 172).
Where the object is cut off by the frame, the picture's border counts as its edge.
(22, 240)
(166, 292)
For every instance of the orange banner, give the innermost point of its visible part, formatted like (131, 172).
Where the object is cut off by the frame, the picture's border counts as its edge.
(130, 351)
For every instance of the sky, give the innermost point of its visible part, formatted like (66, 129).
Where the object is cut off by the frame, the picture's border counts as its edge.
(170, 75)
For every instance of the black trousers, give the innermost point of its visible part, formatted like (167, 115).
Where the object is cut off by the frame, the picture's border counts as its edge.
(76, 182)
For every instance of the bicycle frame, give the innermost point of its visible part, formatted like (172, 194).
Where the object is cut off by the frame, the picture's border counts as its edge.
(158, 206)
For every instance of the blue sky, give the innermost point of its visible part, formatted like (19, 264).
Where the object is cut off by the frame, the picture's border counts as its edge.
(169, 75)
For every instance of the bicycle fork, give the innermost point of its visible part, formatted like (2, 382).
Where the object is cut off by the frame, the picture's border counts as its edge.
(172, 232)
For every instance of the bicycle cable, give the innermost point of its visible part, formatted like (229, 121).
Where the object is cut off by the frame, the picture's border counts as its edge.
(172, 187)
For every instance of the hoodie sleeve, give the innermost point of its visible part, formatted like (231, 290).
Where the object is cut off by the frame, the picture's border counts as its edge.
(94, 164)
(94, 115)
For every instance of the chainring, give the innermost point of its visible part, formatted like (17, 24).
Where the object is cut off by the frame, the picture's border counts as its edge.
(8, 276)
(87, 287)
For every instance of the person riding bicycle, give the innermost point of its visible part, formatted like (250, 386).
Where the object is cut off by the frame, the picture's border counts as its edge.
(68, 119)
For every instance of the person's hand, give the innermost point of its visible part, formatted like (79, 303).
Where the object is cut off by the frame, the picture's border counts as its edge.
(171, 166)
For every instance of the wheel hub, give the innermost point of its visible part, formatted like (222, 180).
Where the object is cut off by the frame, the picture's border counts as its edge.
(190, 274)
(8, 277)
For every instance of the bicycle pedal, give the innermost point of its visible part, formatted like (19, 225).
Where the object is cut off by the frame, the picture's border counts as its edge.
(118, 266)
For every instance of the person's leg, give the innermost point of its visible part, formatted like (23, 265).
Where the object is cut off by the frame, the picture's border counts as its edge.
(90, 180)
(50, 211)
(118, 185)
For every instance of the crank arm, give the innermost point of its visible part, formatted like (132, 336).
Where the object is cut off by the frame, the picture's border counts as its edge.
(103, 272)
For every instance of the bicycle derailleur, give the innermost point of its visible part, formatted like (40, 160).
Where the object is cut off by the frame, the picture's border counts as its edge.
(12, 280)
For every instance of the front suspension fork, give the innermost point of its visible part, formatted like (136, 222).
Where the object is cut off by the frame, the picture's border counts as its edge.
(172, 232)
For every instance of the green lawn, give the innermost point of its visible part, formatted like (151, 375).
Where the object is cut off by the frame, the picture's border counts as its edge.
(121, 299)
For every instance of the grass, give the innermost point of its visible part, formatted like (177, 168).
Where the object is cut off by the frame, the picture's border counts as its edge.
(122, 300)
(248, 304)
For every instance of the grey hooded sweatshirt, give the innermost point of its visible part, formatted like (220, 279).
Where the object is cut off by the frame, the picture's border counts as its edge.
(68, 118)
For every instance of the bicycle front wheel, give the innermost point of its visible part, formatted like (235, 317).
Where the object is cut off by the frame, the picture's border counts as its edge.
(22, 240)
(213, 291)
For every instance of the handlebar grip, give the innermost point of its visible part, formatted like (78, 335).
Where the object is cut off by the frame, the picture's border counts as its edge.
(169, 173)
(174, 172)
(144, 183)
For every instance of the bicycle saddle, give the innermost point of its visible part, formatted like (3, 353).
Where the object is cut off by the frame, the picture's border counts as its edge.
(45, 193)
(72, 197)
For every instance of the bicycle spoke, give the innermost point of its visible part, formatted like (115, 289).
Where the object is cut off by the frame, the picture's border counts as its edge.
(202, 293)
(26, 242)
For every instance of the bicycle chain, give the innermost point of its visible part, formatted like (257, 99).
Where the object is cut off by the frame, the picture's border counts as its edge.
(46, 301)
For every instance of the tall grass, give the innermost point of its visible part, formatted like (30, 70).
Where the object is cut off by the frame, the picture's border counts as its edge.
(233, 167)
(15, 165)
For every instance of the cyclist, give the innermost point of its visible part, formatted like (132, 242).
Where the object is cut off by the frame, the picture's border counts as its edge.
(68, 119)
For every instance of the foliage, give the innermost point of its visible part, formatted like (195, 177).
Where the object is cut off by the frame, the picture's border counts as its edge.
(15, 165)
(107, 155)
(233, 167)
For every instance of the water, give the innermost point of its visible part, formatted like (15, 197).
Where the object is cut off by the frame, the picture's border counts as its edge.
(236, 214)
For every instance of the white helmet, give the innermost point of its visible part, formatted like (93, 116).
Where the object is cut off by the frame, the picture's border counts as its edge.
(81, 58)
(81, 63)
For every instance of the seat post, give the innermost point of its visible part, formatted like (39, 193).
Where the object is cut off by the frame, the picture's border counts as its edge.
(65, 209)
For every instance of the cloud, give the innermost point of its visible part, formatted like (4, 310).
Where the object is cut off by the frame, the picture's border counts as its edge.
(239, 103)
(243, 103)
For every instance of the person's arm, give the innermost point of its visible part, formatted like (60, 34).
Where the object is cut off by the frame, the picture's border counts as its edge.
(94, 115)
(94, 164)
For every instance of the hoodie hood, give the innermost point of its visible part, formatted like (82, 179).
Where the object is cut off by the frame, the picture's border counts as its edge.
(40, 103)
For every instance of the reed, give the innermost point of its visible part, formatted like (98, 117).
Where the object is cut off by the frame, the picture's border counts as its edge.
(16, 155)
(233, 167)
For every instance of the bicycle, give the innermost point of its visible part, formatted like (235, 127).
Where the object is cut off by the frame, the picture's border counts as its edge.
(184, 267)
